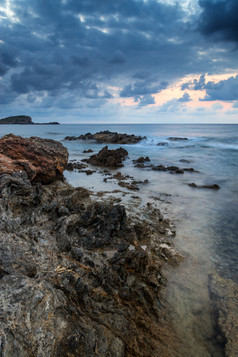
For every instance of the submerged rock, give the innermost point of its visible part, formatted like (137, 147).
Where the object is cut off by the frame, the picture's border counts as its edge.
(108, 137)
(212, 187)
(87, 151)
(43, 160)
(173, 138)
(224, 294)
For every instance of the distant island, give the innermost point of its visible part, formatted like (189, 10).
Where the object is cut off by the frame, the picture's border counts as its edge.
(23, 120)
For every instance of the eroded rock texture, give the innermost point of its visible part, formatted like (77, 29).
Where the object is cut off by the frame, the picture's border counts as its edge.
(108, 158)
(43, 160)
(224, 294)
(75, 276)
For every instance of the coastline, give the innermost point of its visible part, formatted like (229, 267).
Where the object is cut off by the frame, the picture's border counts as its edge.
(103, 285)
(150, 239)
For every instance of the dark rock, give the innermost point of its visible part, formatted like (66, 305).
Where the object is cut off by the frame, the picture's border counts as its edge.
(185, 161)
(123, 246)
(74, 278)
(89, 172)
(212, 187)
(108, 137)
(77, 253)
(162, 144)
(87, 151)
(141, 159)
(172, 138)
(130, 186)
(159, 168)
(76, 166)
(108, 158)
(18, 119)
(190, 169)
(63, 243)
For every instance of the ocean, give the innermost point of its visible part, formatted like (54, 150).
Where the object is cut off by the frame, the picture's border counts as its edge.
(206, 220)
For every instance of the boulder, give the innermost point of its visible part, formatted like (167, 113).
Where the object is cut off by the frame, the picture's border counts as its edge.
(43, 160)
(108, 158)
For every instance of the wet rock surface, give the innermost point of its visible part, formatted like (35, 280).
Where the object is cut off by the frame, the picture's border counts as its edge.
(43, 160)
(108, 137)
(142, 163)
(224, 294)
(79, 277)
(108, 158)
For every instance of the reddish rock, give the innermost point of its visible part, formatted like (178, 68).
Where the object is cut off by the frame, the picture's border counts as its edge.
(44, 160)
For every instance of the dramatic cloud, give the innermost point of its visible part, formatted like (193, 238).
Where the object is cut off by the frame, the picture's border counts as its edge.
(195, 84)
(57, 54)
(219, 18)
(143, 88)
(225, 90)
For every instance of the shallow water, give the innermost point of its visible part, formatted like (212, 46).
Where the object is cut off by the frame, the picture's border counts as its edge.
(206, 220)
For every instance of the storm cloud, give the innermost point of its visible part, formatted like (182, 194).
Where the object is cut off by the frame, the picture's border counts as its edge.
(219, 19)
(89, 52)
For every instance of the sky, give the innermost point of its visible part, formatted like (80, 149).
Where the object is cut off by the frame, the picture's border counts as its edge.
(119, 61)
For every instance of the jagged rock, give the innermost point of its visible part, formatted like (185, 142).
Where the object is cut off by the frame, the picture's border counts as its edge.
(44, 160)
(73, 277)
(87, 151)
(108, 137)
(108, 158)
(141, 159)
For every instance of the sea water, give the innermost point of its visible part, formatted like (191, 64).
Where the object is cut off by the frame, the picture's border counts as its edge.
(206, 220)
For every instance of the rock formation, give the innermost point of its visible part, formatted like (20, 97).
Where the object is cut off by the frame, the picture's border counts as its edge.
(43, 160)
(17, 119)
(211, 187)
(108, 158)
(23, 120)
(77, 277)
(108, 137)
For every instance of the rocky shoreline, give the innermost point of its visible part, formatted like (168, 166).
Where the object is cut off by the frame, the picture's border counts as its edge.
(79, 275)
